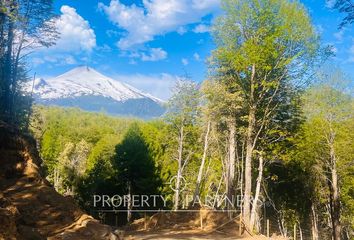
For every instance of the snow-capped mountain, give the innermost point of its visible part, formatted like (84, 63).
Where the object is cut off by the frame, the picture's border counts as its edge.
(90, 90)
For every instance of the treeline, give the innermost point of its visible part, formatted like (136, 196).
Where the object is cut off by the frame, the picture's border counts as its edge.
(24, 26)
(91, 153)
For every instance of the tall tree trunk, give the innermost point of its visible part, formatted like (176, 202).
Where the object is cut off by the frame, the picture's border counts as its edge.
(300, 230)
(17, 55)
(2, 38)
(16, 62)
(201, 168)
(335, 206)
(241, 183)
(314, 226)
(2, 30)
(20, 43)
(231, 162)
(179, 171)
(248, 168)
(258, 189)
(8, 68)
(56, 179)
(217, 192)
(9, 57)
(130, 204)
(249, 151)
(2, 63)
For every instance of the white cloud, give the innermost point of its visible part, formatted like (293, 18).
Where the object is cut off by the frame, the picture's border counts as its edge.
(181, 30)
(145, 55)
(196, 57)
(205, 4)
(351, 50)
(201, 28)
(351, 54)
(319, 29)
(58, 59)
(37, 61)
(61, 59)
(334, 49)
(200, 41)
(132, 62)
(70, 60)
(339, 35)
(158, 85)
(330, 3)
(155, 18)
(104, 48)
(76, 39)
(75, 32)
(185, 61)
(154, 54)
(112, 33)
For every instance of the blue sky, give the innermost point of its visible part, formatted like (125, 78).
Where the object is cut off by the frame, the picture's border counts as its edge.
(150, 43)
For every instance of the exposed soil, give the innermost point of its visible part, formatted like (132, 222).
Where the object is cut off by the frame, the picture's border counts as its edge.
(29, 207)
(204, 224)
(168, 234)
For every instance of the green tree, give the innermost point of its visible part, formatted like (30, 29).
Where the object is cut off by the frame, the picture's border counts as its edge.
(329, 110)
(103, 151)
(223, 108)
(262, 46)
(135, 169)
(182, 116)
(24, 25)
(71, 166)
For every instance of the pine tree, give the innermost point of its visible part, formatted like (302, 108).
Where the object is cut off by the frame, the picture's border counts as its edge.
(135, 169)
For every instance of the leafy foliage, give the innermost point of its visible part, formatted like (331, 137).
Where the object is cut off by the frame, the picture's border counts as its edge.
(24, 25)
(346, 7)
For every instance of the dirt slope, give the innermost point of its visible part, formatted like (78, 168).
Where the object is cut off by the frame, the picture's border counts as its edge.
(29, 207)
(196, 225)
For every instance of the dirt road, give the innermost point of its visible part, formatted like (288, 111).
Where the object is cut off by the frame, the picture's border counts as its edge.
(168, 234)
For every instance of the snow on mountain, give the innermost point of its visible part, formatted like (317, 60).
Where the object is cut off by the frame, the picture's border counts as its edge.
(82, 81)
(90, 90)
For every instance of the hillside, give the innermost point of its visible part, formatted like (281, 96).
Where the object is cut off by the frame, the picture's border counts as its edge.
(29, 207)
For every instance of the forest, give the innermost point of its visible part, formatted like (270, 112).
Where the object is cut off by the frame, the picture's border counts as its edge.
(88, 153)
(272, 122)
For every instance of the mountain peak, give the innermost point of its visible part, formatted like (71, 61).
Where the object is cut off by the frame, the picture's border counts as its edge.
(88, 89)
(85, 81)
(83, 68)
(79, 72)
